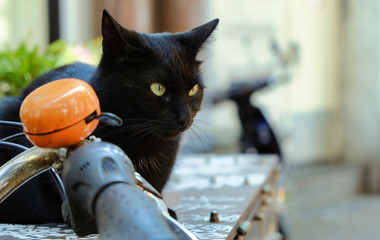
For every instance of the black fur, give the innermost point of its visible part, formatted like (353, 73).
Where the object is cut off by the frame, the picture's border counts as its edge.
(152, 127)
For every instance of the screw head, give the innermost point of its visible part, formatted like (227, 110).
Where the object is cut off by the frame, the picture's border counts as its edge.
(244, 228)
(214, 217)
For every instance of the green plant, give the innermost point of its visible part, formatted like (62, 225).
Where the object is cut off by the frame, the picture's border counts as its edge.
(19, 66)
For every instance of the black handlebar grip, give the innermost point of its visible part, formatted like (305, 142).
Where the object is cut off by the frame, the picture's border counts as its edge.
(124, 212)
(100, 181)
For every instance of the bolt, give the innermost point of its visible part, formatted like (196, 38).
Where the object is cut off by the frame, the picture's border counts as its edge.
(258, 217)
(236, 160)
(243, 228)
(246, 181)
(266, 188)
(214, 217)
(207, 159)
(213, 180)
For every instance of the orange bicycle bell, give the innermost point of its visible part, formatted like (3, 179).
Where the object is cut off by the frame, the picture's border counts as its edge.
(60, 113)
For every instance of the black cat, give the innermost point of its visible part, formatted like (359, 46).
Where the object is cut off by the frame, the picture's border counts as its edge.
(151, 81)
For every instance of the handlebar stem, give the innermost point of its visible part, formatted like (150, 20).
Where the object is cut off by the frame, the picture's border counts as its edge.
(25, 166)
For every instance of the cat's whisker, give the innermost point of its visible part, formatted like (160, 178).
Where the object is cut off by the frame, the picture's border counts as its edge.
(196, 124)
(189, 135)
(138, 129)
(144, 133)
(198, 135)
(202, 122)
(125, 132)
(154, 162)
(197, 127)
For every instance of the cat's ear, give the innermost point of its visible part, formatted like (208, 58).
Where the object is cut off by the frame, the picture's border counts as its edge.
(116, 39)
(193, 40)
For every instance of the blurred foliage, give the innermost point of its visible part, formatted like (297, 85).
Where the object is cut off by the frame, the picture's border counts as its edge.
(20, 65)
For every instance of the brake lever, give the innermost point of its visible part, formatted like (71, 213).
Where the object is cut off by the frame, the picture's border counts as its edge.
(181, 232)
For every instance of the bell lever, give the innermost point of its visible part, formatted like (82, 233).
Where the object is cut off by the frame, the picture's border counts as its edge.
(107, 118)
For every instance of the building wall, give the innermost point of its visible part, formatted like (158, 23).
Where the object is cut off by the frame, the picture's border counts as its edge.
(76, 20)
(23, 20)
(316, 93)
(360, 64)
(305, 111)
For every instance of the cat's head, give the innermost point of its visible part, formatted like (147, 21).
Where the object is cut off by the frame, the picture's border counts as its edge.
(152, 81)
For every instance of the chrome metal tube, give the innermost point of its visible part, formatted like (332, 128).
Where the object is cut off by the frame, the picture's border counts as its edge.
(25, 166)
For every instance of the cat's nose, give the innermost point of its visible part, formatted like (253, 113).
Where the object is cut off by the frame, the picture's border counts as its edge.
(183, 116)
(182, 122)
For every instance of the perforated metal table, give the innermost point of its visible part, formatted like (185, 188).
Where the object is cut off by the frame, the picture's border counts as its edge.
(240, 188)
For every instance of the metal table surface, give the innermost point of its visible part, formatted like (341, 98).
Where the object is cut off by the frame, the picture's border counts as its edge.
(231, 185)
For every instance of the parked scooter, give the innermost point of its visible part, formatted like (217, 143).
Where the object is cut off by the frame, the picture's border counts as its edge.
(258, 135)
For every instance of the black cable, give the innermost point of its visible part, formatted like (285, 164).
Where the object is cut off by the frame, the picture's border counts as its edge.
(13, 137)
(10, 124)
(13, 146)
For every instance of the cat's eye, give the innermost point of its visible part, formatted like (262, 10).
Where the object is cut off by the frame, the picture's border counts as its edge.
(158, 88)
(194, 90)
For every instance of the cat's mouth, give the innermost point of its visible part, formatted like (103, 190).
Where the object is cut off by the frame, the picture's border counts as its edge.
(171, 135)
(174, 133)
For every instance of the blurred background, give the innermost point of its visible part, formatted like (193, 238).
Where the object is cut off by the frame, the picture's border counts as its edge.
(323, 103)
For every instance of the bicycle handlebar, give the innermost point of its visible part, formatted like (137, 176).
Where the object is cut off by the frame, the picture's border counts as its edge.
(100, 180)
